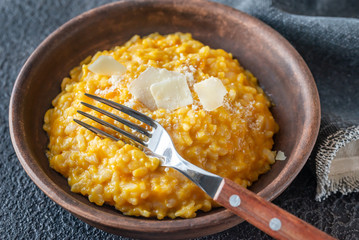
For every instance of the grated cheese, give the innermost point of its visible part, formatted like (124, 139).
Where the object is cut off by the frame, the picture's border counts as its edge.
(115, 81)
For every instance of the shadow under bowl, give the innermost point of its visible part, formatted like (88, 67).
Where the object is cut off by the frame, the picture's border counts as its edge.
(281, 72)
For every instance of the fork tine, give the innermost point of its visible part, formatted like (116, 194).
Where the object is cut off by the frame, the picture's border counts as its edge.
(126, 134)
(95, 130)
(119, 119)
(129, 111)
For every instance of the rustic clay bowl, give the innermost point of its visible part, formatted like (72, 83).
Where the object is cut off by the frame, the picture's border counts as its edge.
(280, 70)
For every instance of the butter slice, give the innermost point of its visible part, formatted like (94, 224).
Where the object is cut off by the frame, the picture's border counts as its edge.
(140, 87)
(172, 93)
(211, 93)
(107, 65)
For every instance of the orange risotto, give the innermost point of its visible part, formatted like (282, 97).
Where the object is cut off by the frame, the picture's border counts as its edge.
(234, 140)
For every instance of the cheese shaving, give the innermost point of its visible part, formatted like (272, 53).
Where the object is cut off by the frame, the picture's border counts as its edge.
(140, 87)
(172, 93)
(107, 65)
(211, 93)
(280, 156)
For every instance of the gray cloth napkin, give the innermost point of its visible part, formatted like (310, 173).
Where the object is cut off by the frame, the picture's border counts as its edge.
(336, 157)
(330, 46)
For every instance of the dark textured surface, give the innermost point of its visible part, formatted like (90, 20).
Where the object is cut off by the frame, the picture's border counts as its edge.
(330, 46)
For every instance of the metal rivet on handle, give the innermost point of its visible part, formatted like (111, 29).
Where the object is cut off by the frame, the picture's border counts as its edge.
(234, 200)
(275, 224)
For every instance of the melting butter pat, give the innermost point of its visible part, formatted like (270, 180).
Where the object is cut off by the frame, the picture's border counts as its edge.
(172, 93)
(211, 93)
(140, 87)
(107, 65)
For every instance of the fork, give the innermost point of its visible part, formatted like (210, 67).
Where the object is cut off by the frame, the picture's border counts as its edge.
(261, 213)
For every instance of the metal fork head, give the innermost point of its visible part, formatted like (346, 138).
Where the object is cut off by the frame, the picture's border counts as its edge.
(147, 141)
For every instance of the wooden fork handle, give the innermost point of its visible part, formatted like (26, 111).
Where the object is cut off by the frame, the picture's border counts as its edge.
(266, 216)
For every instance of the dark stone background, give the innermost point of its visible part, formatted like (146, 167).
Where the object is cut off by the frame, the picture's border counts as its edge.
(329, 45)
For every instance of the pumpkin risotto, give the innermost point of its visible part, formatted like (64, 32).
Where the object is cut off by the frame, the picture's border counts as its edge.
(233, 140)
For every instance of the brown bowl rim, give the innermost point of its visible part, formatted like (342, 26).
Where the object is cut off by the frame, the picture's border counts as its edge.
(131, 224)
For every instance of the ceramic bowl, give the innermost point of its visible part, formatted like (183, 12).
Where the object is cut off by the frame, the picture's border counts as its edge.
(279, 68)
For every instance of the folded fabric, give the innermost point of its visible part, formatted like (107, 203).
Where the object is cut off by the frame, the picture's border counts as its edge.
(336, 158)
